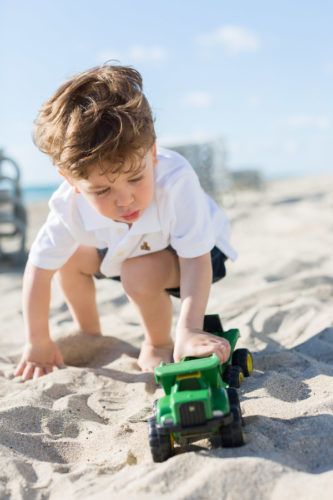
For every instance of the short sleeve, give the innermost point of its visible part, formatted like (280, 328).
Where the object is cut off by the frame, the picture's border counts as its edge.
(54, 244)
(192, 233)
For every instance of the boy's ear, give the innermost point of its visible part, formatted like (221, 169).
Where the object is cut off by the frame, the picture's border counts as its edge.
(68, 180)
(155, 160)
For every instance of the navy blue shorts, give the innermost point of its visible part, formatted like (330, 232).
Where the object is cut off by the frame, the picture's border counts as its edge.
(218, 266)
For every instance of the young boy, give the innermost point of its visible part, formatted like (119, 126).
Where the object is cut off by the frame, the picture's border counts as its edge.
(124, 211)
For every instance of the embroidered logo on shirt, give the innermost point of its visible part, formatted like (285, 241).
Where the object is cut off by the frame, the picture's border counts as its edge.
(145, 246)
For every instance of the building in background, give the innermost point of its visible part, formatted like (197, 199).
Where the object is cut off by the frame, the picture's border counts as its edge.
(208, 159)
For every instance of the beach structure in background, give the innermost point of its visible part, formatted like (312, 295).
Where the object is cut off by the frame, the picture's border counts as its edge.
(247, 178)
(13, 215)
(209, 160)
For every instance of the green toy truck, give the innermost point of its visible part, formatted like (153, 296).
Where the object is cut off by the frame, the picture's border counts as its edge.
(200, 398)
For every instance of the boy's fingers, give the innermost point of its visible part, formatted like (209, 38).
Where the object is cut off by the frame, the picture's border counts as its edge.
(221, 349)
(28, 372)
(19, 369)
(39, 371)
(60, 362)
(223, 353)
(32, 370)
(35, 370)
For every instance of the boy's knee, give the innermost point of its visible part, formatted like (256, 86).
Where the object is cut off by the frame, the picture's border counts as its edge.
(137, 277)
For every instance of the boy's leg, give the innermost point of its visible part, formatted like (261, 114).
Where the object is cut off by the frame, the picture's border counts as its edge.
(145, 280)
(77, 282)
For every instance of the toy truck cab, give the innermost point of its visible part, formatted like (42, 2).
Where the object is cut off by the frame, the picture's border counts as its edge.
(195, 397)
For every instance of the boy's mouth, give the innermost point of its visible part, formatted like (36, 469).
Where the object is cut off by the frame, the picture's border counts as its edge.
(132, 216)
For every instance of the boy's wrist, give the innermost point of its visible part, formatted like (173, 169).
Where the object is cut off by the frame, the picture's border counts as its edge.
(182, 330)
(38, 338)
(189, 320)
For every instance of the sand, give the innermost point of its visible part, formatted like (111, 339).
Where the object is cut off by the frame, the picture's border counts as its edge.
(81, 432)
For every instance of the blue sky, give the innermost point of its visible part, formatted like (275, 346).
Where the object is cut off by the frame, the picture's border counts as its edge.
(257, 73)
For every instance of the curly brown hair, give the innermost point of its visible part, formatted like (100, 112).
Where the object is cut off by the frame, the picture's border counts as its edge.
(99, 114)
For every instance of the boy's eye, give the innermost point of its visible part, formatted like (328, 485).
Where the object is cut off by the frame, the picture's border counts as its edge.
(136, 179)
(102, 191)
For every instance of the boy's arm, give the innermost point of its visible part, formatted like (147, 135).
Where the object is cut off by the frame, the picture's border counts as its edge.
(40, 353)
(195, 283)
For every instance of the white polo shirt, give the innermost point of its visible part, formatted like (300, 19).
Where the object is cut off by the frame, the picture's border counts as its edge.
(180, 215)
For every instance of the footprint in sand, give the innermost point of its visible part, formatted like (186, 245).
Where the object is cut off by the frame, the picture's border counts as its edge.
(285, 388)
(40, 433)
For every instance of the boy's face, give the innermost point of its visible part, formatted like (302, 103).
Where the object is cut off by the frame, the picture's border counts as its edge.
(121, 197)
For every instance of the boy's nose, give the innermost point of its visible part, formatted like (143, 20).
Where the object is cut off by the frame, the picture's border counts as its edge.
(124, 199)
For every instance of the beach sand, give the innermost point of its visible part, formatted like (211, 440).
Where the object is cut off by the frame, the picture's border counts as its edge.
(81, 432)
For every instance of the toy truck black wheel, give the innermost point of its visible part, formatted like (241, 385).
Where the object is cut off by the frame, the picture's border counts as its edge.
(233, 375)
(234, 401)
(232, 434)
(159, 442)
(243, 358)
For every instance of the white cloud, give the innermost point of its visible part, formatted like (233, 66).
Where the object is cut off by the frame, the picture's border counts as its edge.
(135, 54)
(197, 99)
(304, 121)
(234, 39)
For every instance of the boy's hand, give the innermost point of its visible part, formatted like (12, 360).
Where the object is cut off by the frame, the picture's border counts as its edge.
(199, 344)
(38, 360)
